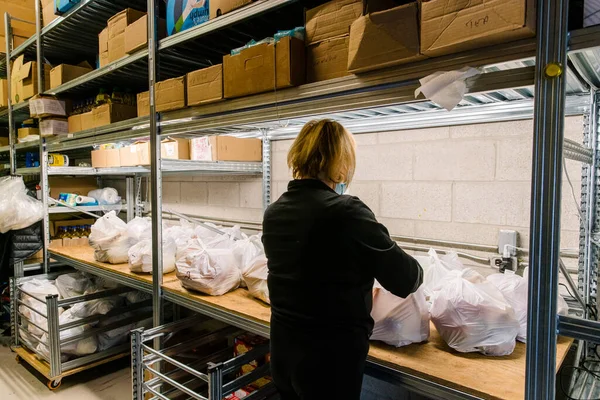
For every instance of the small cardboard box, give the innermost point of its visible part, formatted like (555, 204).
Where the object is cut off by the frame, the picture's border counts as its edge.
(107, 114)
(225, 148)
(136, 34)
(327, 59)
(3, 93)
(118, 22)
(331, 19)
(103, 41)
(52, 127)
(87, 121)
(253, 69)
(384, 39)
(40, 107)
(79, 186)
(65, 73)
(220, 7)
(4, 141)
(175, 149)
(74, 122)
(106, 158)
(205, 85)
(24, 79)
(136, 154)
(170, 95)
(23, 133)
(450, 26)
(116, 47)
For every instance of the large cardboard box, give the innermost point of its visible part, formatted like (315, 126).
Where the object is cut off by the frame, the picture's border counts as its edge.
(103, 41)
(136, 34)
(87, 121)
(40, 107)
(107, 114)
(225, 148)
(383, 39)
(65, 73)
(53, 127)
(106, 158)
(23, 133)
(450, 26)
(135, 154)
(3, 93)
(74, 122)
(175, 148)
(79, 186)
(253, 69)
(220, 7)
(205, 85)
(170, 95)
(118, 22)
(24, 79)
(21, 9)
(331, 19)
(327, 59)
(116, 47)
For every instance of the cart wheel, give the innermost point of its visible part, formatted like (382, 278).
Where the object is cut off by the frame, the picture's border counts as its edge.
(53, 385)
(18, 359)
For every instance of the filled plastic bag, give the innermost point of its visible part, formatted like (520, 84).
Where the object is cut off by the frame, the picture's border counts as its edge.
(110, 240)
(74, 284)
(255, 278)
(515, 290)
(210, 271)
(399, 322)
(106, 196)
(246, 251)
(80, 347)
(140, 256)
(39, 288)
(474, 317)
(18, 210)
(94, 307)
(440, 269)
(139, 229)
(136, 296)
(117, 336)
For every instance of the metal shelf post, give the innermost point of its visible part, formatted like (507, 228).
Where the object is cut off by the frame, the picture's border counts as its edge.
(546, 190)
(11, 128)
(266, 163)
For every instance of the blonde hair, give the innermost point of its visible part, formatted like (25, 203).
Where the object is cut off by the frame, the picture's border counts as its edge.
(324, 149)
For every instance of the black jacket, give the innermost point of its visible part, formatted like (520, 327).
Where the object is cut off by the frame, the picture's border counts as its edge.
(324, 252)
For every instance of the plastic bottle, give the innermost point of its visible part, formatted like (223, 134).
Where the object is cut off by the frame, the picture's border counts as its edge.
(71, 234)
(61, 233)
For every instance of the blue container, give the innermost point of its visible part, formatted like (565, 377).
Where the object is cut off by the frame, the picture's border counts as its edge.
(185, 14)
(62, 6)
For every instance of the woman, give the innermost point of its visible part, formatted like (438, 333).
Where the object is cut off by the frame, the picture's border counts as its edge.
(324, 252)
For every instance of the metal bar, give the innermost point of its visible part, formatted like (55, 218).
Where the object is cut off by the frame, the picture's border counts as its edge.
(81, 361)
(14, 319)
(174, 362)
(550, 86)
(21, 316)
(39, 50)
(571, 284)
(579, 328)
(53, 336)
(174, 384)
(236, 362)
(32, 296)
(130, 183)
(137, 373)
(93, 296)
(155, 393)
(244, 380)
(22, 303)
(45, 194)
(11, 128)
(215, 381)
(267, 177)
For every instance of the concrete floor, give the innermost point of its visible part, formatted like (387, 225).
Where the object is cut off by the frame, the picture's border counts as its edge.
(107, 382)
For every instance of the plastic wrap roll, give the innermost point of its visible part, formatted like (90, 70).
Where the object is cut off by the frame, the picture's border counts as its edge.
(106, 196)
(85, 200)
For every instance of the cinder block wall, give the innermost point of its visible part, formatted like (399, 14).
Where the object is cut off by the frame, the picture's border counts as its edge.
(461, 183)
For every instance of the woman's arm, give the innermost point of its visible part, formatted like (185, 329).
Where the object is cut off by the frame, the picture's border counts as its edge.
(395, 270)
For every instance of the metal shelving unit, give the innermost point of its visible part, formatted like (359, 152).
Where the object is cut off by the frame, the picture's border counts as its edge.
(375, 101)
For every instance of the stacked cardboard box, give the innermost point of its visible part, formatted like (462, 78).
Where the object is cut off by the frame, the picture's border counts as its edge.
(111, 41)
(52, 114)
(24, 83)
(327, 38)
(205, 85)
(65, 73)
(170, 95)
(48, 14)
(136, 34)
(21, 9)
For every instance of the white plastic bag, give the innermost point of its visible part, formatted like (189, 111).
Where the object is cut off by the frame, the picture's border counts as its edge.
(255, 278)
(210, 271)
(80, 347)
(117, 336)
(139, 229)
(399, 322)
(440, 268)
(106, 196)
(246, 251)
(140, 256)
(136, 296)
(74, 284)
(474, 317)
(17, 209)
(40, 288)
(94, 307)
(110, 240)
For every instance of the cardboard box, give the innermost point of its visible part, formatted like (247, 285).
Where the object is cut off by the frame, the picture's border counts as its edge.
(253, 69)
(331, 19)
(225, 148)
(87, 121)
(24, 79)
(591, 13)
(450, 26)
(40, 107)
(65, 73)
(80, 186)
(3, 93)
(103, 41)
(23, 133)
(205, 85)
(136, 34)
(327, 59)
(107, 114)
(74, 122)
(118, 22)
(52, 127)
(170, 95)
(106, 158)
(220, 7)
(48, 14)
(175, 149)
(21, 9)
(116, 47)
(103, 59)
(54, 225)
(135, 154)
(4, 141)
(384, 39)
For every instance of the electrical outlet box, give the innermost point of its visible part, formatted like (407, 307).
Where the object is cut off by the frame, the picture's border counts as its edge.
(507, 238)
(496, 262)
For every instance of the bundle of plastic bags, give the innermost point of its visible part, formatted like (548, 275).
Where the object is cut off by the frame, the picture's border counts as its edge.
(474, 316)
(399, 322)
(208, 270)
(106, 196)
(255, 278)
(18, 210)
(110, 240)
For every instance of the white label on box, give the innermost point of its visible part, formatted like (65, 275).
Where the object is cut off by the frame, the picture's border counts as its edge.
(170, 149)
(201, 150)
